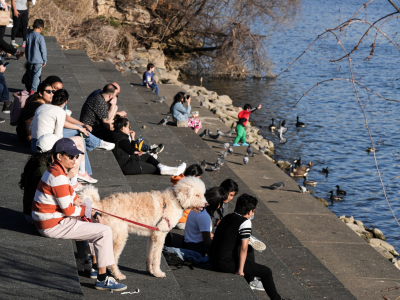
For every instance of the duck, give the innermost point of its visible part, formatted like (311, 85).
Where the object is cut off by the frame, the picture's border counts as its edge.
(335, 197)
(300, 124)
(370, 149)
(310, 182)
(299, 167)
(298, 173)
(272, 127)
(339, 191)
(325, 170)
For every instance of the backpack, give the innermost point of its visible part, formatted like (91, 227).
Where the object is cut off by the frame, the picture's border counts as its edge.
(17, 105)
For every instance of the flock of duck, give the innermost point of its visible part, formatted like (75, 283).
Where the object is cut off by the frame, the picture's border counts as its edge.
(298, 170)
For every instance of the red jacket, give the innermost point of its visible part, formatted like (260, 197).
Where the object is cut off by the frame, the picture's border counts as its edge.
(245, 114)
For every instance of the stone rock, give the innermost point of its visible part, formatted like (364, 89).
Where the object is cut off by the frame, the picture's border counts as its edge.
(347, 219)
(140, 54)
(322, 201)
(132, 13)
(269, 152)
(160, 71)
(185, 87)
(218, 113)
(285, 165)
(141, 70)
(232, 114)
(157, 79)
(359, 223)
(355, 227)
(379, 243)
(213, 96)
(383, 251)
(121, 57)
(200, 98)
(157, 57)
(378, 234)
(225, 99)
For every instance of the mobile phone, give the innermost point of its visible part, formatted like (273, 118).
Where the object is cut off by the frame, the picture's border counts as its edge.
(6, 64)
(187, 97)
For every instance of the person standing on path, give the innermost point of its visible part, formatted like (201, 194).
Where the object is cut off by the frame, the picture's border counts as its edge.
(36, 53)
(243, 118)
(20, 16)
(6, 47)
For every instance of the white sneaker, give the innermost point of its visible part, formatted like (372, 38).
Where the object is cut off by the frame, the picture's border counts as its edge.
(78, 187)
(181, 168)
(86, 177)
(257, 244)
(106, 146)
(165, 170)
(256, 284)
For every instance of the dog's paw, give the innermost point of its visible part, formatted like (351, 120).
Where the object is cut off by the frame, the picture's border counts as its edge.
(120, 276)
(159, 274)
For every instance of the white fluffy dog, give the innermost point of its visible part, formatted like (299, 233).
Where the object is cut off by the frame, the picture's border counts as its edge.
(161, 209)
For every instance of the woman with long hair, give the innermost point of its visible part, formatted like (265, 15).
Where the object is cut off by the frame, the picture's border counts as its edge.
(198, 227)
(130, 159)
(182, 114)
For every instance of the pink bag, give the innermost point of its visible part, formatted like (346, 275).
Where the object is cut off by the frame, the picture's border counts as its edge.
(17, 105)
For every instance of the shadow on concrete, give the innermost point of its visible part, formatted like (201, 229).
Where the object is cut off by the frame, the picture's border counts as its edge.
(15, 221)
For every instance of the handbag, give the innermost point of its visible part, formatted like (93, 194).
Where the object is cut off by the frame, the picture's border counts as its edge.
(4, 18)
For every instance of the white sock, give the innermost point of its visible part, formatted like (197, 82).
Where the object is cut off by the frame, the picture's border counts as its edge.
(74, 179)
(82, 169)
(181, 168)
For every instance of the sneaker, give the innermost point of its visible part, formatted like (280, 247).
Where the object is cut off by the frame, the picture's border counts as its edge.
(78, 187)
(245, 144)
(23, 44)
(236, 145)
(256, 284)
(86, 177)
(181, 169)
(2, 120)
(14, 44)
(19, 54)
(110, 284)
(106, 145)
(93, 274)
(154, 155)
(257, 244)
(158, 149)
(6, 108)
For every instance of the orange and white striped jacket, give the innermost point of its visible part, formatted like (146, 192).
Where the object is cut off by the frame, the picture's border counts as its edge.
(54, 199)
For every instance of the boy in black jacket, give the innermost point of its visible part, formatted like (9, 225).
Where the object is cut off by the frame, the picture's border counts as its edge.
(230, 251)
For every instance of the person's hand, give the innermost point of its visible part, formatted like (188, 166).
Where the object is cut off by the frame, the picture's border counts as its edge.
(122, 113)
(2, 69)
(83, 130)
(239, 273)
(78, 202)
(101, 220)
(147, 85)
(132, 133)
(73, 171)
(151, 82)
(259, 106)
(16, 13)
(113, 101)
(138, 153)
(88, 127)
(44, 65)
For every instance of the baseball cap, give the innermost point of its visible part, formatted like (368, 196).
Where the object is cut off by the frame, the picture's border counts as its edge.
(66, 145)
(46, 142)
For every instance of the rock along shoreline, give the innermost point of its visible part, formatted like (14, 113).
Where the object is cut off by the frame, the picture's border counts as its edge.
(222, 107)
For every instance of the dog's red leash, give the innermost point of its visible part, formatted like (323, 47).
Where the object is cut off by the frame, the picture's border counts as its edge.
(127, 220)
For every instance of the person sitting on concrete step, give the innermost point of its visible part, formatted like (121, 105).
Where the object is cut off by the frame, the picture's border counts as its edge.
(99, 111)
(182, 115)
(230, 251)
(198, 229)
(130, 159)
(50, 118)
(57, 212)
(149, 82)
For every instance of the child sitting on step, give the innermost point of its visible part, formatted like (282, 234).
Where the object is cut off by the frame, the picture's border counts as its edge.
(243, 118)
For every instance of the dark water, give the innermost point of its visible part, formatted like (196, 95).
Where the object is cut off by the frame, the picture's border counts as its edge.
(335, 133)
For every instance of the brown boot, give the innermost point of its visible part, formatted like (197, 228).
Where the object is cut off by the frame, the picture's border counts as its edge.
(19, 54)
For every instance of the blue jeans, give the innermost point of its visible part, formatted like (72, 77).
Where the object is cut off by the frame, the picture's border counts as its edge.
(35, 71)
(91, 141)
(4, 94)
(154, 86)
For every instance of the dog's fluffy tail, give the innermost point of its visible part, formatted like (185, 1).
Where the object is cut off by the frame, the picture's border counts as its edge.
(92, 193)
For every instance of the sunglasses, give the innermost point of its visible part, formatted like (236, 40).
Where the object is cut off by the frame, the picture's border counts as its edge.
(71, 157)
(50, 91)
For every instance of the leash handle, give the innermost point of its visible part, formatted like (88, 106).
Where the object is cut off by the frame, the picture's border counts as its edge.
(127, 220)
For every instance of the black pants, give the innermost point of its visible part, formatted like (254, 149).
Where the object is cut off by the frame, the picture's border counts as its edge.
(23, 19)
(197, 247)
(252, 269)
(147, 165)
(4, 45)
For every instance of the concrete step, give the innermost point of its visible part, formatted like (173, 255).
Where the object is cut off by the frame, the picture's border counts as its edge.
(133, 259)
(327, 257)
(199, 283)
